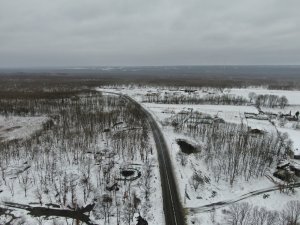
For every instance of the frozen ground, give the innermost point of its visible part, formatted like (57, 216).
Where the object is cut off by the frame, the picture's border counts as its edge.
(23, 177)
(292, 96)
(222, 191)
(232, 114)
(17, 127)
(295, 137)
(14, 192)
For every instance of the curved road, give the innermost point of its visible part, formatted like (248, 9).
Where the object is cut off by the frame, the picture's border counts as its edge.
(174, 213)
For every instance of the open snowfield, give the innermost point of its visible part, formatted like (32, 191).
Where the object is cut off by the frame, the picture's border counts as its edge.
(232, 114)
(17, 127)
(292, 96)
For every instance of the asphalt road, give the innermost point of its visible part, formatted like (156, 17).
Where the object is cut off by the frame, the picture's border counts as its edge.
(173, 210)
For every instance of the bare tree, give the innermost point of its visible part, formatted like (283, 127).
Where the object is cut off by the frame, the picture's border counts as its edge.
(238, 214)
(252, 96)
(291, 214)
(25, 182)
(147, 179)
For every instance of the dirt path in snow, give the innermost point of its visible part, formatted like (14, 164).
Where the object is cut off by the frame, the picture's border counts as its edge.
(220, 204)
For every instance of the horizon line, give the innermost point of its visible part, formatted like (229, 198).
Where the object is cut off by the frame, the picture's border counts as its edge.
(144, 66)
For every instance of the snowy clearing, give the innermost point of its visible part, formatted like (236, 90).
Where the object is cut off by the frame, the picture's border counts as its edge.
(17, 127)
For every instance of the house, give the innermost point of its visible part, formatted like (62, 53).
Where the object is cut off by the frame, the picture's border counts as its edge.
(287, 170)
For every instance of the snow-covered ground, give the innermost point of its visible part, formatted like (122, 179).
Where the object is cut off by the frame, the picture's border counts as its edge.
(292, 96)
(17, 127)
(84, 174)
(213, 192)
(294, 135)
(232, 114)
(229, 113)
(14, 192)
(223, 191)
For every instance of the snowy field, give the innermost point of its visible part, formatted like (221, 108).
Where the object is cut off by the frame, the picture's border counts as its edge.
(17, 127)
(292, 96)
(232, 114)
(214, 192)
(136, 92)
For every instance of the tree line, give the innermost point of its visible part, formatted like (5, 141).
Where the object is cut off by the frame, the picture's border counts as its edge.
(214, 99)
(75, 158)
(268, 100)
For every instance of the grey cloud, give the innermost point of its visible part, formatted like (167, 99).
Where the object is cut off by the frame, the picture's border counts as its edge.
(143, 32)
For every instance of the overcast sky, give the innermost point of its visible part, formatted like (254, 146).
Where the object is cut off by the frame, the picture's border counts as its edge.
(148, 32)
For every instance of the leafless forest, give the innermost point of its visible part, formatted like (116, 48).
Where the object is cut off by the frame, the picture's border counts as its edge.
(92, 155)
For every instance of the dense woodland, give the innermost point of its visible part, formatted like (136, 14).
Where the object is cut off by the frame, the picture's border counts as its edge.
(181, 76)
(77, 158)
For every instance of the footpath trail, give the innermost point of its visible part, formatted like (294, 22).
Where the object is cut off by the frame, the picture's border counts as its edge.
(220, 204)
